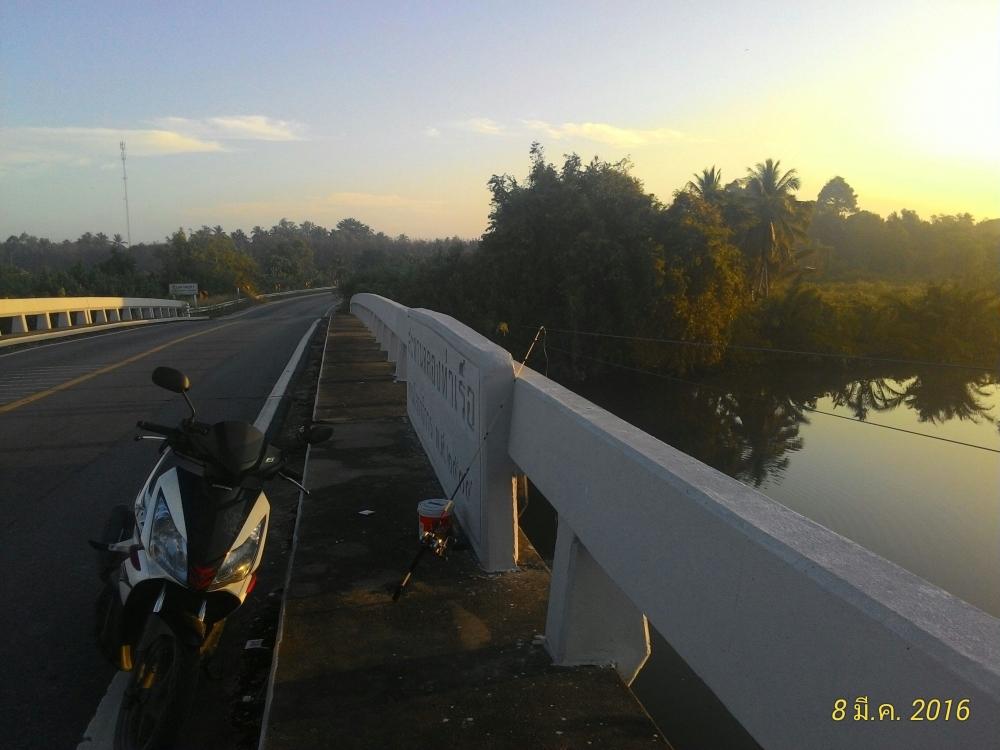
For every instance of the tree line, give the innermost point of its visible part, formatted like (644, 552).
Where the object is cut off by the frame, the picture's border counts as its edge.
(582, 247)
(285, 256)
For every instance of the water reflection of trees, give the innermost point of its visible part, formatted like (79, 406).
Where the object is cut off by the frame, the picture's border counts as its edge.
(943, 395)
(747, 423)
(865, 394)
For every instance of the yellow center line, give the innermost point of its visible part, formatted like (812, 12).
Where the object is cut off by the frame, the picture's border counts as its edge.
(83, 378)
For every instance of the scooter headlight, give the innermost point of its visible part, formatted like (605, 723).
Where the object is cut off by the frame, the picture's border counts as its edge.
(238, 563)
(166, 544)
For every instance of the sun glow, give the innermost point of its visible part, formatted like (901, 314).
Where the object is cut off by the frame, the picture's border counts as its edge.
(951, 104)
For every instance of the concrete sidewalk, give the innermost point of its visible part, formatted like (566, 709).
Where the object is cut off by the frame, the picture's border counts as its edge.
(454, 663)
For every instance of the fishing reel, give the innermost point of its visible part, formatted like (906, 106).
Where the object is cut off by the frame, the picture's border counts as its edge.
(438, 541)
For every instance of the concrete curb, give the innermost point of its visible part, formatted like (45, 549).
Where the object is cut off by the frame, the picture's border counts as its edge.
(291, 559)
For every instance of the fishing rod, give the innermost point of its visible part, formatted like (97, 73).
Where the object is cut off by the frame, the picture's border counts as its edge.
(439, 538)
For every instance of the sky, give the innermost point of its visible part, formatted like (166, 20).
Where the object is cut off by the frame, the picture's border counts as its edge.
(243, 113)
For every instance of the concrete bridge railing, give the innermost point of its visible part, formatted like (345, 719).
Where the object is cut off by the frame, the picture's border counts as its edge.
(40, 314)
(796, 629)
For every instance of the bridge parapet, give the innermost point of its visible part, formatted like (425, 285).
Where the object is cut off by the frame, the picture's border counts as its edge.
(781, 617)
(458, 389)
(39, 314)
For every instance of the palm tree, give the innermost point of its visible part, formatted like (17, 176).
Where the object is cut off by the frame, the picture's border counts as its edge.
(778, 219)
(707, 185)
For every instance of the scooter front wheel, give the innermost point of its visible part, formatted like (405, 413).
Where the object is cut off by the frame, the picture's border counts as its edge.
(160, 690)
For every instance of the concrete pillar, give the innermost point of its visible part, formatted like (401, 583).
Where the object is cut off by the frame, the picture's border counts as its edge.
(114, 315)
(401, 364)
(590, 620)
(62, 319)
(98, 316)
(126, 313)
(80, 317)
(147, 313)
(42, 322)
(19, 324)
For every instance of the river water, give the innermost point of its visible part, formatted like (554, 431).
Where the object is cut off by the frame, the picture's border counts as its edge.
(817, 439)
(928, 505)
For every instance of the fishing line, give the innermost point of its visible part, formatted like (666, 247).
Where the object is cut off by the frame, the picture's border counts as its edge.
(771, 350)
(439, 544)
(801, 406)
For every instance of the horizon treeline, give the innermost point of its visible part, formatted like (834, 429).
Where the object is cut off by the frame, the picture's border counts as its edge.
(287, 255)
(582, 247)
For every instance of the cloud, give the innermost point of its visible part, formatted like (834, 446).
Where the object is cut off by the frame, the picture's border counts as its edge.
(598, 132)
(82, 146)
(432, 132)
(236, 127)
(602, 132)
(323, 206)
(483, 125)
(355, 200)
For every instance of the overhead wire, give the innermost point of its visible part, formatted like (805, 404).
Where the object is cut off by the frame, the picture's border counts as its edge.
(804, 407)
(775, 350)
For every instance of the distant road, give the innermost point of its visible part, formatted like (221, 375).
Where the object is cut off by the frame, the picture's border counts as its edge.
(67, 421)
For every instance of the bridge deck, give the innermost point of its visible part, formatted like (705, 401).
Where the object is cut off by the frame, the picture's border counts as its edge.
(454, 662)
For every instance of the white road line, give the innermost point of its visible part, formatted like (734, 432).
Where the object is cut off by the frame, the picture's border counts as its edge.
(263, 420)
(100, 732)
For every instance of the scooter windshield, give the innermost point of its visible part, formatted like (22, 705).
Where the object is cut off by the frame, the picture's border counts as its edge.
(234, 447)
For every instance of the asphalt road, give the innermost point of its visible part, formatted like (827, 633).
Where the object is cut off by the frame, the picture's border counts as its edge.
(68, 456)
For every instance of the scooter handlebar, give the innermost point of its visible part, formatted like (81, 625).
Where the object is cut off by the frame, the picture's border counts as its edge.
(153, 427)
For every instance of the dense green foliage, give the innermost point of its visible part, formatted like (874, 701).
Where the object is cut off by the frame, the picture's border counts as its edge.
(582, 248)
(286, 256)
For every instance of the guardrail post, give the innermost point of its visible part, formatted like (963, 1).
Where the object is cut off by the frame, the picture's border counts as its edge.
(62, 319)
(590, 620)
(19, 324)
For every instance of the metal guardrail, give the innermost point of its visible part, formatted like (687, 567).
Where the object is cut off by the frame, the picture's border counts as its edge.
(243, 300)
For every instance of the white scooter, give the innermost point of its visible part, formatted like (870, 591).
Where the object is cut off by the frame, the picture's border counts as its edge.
(181, 560)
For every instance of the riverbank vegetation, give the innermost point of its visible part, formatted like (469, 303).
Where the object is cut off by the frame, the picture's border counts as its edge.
(582, 249)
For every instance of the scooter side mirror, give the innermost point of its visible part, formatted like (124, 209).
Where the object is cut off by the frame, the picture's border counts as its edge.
(317, 433)
(171, 379)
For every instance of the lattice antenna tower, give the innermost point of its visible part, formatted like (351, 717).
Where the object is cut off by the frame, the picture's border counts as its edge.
(128, 220)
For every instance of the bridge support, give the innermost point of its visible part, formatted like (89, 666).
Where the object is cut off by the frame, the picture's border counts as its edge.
(590, 620)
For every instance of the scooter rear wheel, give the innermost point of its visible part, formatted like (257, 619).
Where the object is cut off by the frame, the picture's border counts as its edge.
(160, 690)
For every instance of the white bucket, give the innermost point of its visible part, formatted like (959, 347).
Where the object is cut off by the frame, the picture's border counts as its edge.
(430, 516)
